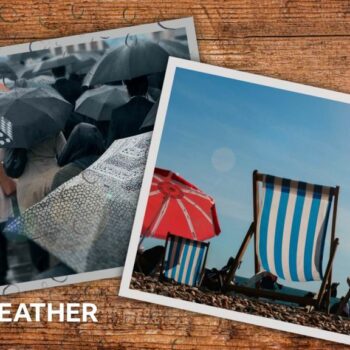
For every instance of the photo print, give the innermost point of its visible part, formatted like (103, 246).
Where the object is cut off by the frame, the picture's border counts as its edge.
(244, 207)
(76, 120)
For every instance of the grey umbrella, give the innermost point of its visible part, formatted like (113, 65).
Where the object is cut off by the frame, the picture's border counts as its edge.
(58, 61)
(154, 93)
(6, 71)
(30, 115)
(86, 222)
(128, 61)
(85, 61)
(175, 48)
(150, 117)
(99, 103)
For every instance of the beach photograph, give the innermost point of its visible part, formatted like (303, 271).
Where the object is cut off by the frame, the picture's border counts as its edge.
(76, 119)
(245, 210)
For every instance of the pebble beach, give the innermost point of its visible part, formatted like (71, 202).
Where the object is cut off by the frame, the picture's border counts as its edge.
(240, 303)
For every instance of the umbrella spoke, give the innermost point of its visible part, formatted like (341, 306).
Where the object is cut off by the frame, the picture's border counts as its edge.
(160, 216)
(187, 217)
(195, 193)
(199, 209)
(153, 193)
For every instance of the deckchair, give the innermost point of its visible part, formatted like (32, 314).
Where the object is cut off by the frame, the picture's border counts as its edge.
(289, 229)
(184, 260)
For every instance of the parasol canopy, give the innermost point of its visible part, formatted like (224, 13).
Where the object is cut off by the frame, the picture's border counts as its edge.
(176, 206)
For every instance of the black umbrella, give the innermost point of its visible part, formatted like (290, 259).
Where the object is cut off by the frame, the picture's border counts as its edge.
(30, 115)
(85, 61)
(154, 93)
(150, 117)
(99, 103)
(128, 61)
(6, 71)
(175, 48)
(28, 73)
(57, 61)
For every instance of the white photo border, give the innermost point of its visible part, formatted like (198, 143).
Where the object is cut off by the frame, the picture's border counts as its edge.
(124, 290)
(186, 23)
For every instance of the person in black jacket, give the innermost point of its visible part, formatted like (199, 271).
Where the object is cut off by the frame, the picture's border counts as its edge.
(127, 120)
(70, 89)
(84, 146)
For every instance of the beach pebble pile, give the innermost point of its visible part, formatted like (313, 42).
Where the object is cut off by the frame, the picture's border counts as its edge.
(297, 315)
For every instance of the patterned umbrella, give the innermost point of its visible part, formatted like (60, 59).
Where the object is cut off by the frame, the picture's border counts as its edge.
(176, 206)
(86, 222)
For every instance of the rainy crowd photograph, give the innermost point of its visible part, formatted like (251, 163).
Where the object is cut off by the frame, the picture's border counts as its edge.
(245, 205)
(76, 119)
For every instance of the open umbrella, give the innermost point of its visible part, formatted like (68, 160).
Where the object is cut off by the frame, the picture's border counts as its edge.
(30, 115)
(177, 206)
(150, 117)
(127, 62)
(84, 63)
(58, 61)
(99, 103)
(6, 71)
(175, 48)
(154, 93)
(86, 222)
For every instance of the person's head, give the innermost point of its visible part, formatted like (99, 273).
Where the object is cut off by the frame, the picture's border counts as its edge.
(334, 285)
(85, 140)
(137, 86)
(59, 72)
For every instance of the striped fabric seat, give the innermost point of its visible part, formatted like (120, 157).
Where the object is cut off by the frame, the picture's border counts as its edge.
(184, 260)
(291, 228)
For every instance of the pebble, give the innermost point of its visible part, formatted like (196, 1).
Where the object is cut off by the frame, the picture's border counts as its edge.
(297, 315)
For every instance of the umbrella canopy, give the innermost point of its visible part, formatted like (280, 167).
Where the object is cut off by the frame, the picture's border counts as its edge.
(30, 115)
(127, 62)
(44, 81)
(154, 93)
(176, 206)
(29, 73)
(150, 117)
(6, 71)
(99, 103)
(58, 61)
(175, 48)
(86, 222)
(84, 63)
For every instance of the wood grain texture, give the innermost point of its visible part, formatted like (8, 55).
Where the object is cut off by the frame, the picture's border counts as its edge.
(306, 41)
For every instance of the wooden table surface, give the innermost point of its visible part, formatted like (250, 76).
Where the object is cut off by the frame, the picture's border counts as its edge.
(305, 41)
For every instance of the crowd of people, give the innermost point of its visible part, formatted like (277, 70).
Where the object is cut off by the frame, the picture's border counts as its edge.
(28, 175)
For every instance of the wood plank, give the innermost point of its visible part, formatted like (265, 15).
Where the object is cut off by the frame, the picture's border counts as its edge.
(130, 324)
(225, 19)
(305, 41)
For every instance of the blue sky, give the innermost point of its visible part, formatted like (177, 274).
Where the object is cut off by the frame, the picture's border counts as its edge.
(218, 130)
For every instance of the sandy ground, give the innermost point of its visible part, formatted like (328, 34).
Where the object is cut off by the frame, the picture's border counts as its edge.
(297, 315)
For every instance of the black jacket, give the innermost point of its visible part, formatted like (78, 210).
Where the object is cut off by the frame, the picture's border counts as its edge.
(127, 120)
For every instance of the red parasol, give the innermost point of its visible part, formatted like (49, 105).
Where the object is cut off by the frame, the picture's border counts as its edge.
(176, 206)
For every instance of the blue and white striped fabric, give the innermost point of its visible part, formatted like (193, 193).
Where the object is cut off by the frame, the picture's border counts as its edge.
(184, 260)
(291, 228)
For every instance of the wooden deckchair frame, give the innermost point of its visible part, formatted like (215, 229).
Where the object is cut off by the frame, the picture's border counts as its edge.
(302, 300)
(201, 274)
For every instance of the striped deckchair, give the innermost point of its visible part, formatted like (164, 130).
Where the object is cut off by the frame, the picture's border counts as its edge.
(184, 260)
(289, 228)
